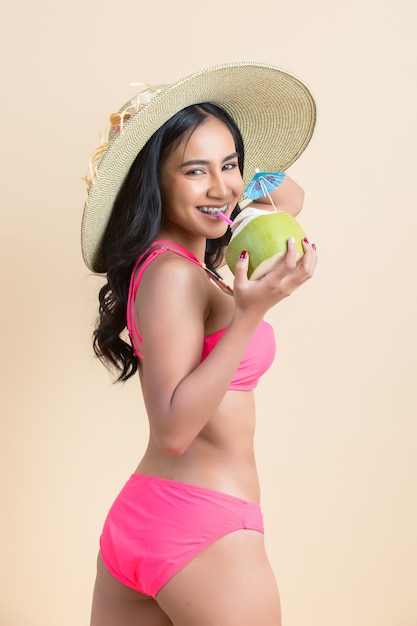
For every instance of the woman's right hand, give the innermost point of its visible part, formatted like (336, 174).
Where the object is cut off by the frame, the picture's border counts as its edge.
(256, 297)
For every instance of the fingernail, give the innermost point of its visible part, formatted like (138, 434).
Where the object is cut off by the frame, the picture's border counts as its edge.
(313, 245)
(243, 254)
(291, 240)
(305, 240)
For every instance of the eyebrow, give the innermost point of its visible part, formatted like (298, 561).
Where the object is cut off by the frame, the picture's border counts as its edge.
(204, 162)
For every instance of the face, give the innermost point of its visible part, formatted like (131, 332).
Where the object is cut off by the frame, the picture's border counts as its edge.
(199, 180)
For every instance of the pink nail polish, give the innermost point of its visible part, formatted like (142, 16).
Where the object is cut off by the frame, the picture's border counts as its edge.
(313, 245)
(243, 254)
(305, 240)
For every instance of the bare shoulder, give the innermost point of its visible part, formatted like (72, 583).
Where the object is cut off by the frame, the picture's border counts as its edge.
(170, 273)
(171, 305)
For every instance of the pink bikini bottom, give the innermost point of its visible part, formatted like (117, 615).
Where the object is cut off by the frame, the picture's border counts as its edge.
(156, 526)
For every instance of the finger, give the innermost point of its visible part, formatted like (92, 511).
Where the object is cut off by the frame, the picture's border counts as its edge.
(310, 254)
(241, 269)
(307, 246)
(306, 264)
(290, 258)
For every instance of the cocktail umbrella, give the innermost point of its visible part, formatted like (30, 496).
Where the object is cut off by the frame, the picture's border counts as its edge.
(262, 184)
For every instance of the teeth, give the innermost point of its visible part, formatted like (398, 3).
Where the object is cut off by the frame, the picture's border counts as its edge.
(211, 210)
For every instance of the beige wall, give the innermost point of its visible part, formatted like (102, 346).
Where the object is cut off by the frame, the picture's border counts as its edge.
(337, 412)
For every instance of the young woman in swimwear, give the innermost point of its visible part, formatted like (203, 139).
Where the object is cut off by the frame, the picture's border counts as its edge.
(183, 542)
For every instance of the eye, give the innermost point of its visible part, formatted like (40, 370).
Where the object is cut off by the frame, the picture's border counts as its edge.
(195, 172)
(230, 166)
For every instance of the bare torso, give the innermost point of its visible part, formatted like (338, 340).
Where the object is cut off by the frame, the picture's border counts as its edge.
(221, 457)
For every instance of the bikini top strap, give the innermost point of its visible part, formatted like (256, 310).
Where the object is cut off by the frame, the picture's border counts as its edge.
(146, 258)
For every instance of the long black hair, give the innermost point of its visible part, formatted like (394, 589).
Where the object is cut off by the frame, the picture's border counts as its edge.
(134, 225)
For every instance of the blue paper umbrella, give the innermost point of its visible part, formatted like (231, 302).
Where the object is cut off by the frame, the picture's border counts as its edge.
(263, 183)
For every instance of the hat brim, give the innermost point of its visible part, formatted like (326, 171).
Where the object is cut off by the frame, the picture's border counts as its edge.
(273, 109)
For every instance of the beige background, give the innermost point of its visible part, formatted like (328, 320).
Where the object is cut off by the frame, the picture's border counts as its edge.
(337, 421)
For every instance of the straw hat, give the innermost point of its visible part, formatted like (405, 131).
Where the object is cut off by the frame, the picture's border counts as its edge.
(273, 109)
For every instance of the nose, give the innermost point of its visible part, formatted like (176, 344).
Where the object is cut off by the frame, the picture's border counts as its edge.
(218, 187)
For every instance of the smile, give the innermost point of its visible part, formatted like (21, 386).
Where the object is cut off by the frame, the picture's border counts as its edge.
(213, 210)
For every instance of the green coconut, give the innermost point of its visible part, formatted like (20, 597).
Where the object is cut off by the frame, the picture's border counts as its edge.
(265, 235)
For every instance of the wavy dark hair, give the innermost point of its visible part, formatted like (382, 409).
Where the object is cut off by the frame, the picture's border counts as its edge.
(134, 225)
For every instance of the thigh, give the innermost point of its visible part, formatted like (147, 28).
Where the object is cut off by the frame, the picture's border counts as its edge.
(230, 583)
(115, 604)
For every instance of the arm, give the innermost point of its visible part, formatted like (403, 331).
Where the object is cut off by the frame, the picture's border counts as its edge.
(181, 394)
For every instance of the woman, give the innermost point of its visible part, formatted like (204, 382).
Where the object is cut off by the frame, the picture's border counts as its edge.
(183, 542)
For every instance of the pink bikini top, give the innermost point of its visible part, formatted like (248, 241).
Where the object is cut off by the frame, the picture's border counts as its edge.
(260, 351)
